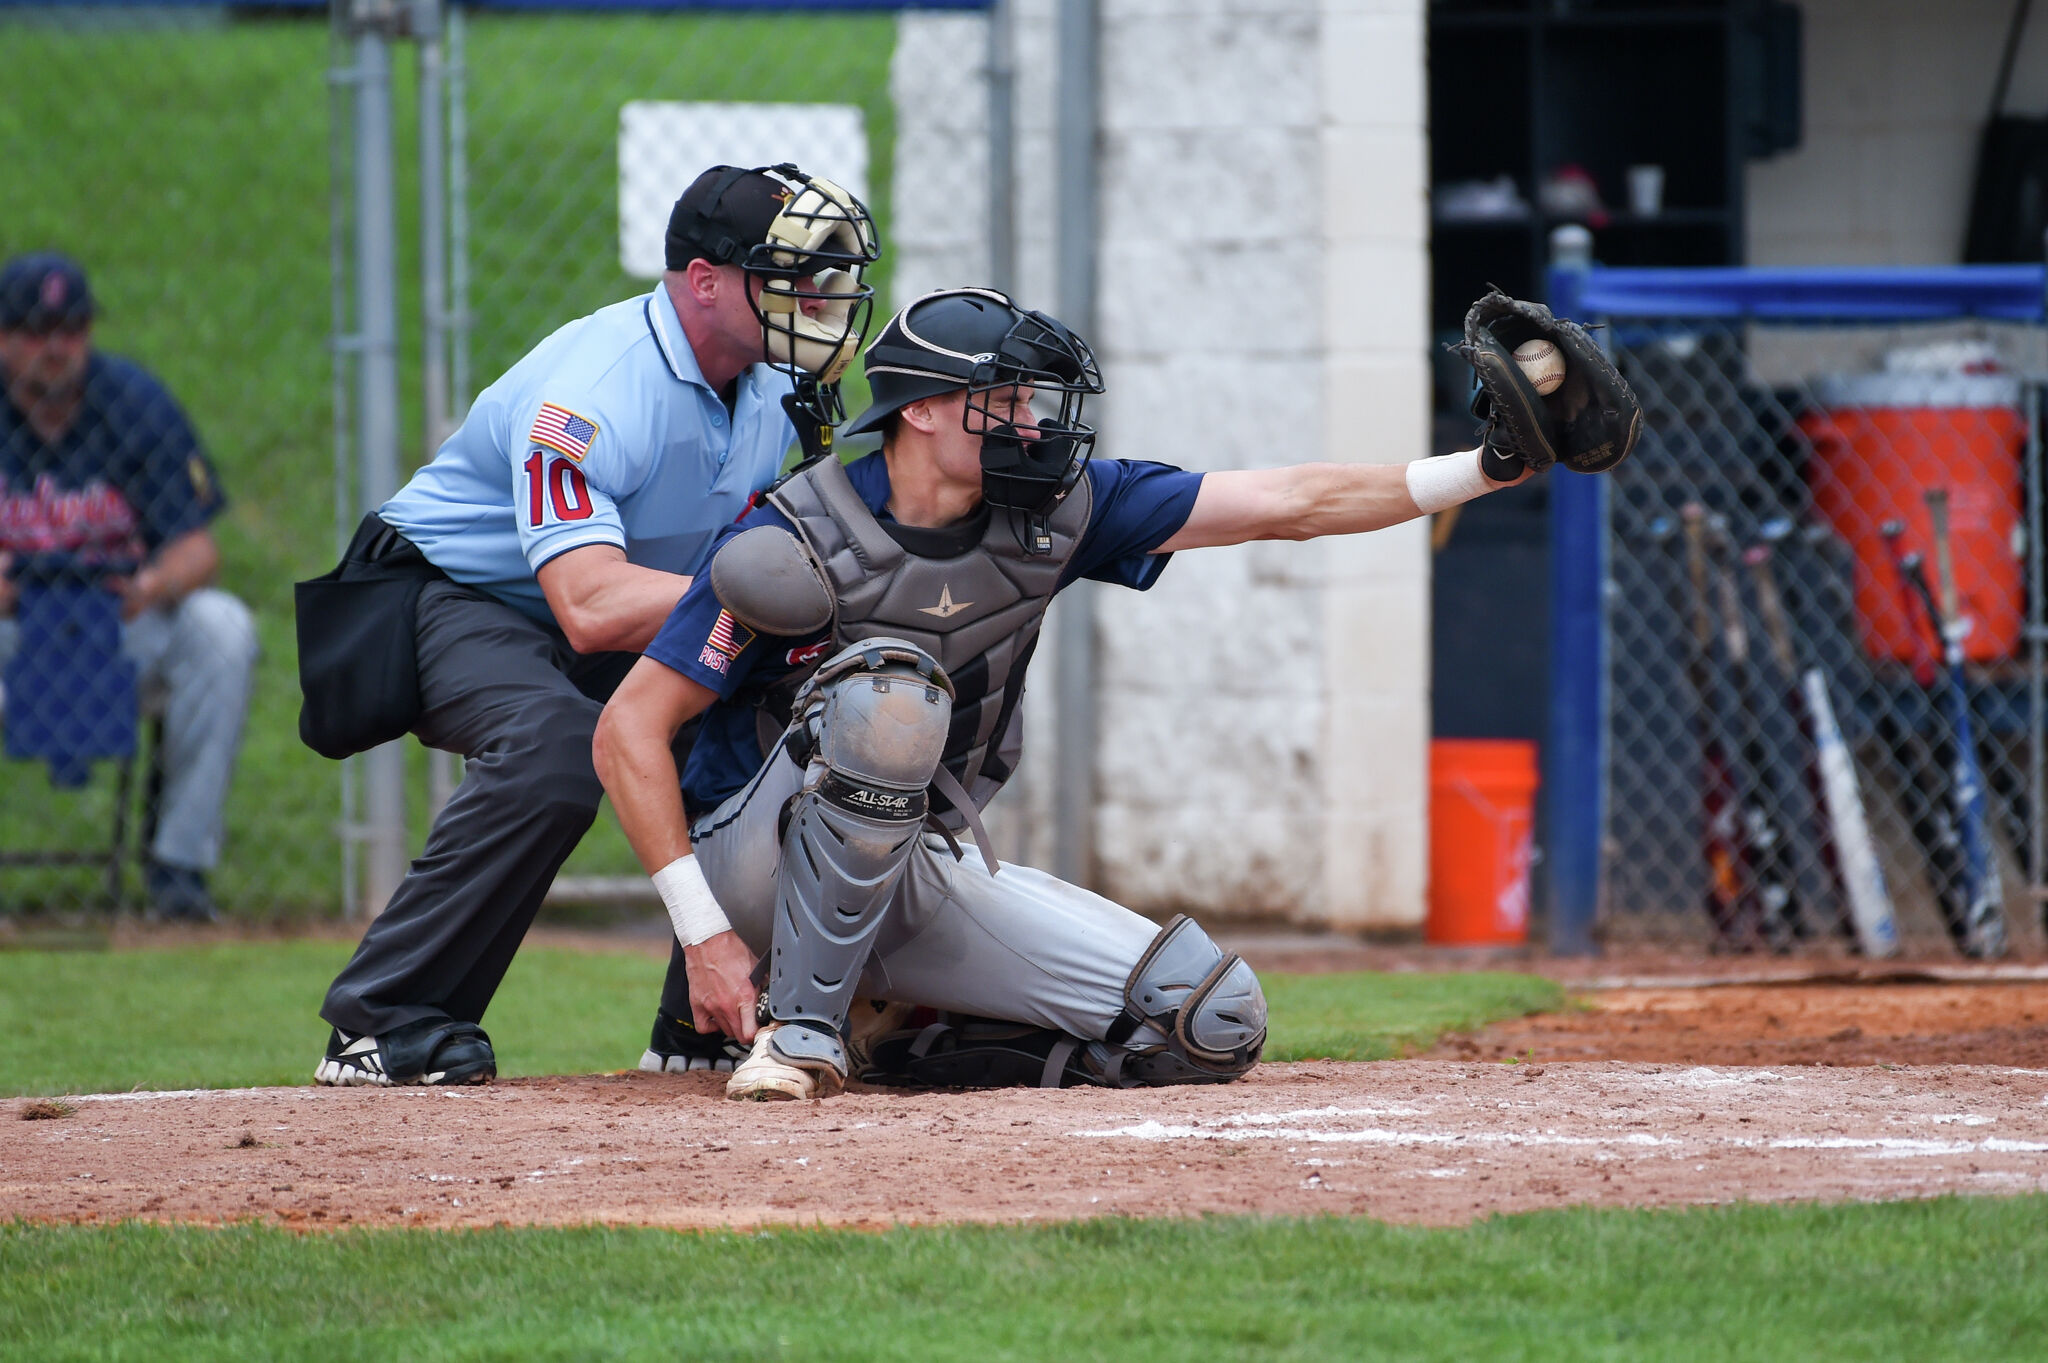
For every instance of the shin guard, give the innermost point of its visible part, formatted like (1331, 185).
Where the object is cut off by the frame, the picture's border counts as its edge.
(875, 717)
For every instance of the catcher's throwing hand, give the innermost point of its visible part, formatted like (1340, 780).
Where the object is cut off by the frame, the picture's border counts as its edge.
(1589, 423)
(722, 989)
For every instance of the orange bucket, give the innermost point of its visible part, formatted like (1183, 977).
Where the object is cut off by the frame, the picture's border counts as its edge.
(1874, 457)
(1482, 804)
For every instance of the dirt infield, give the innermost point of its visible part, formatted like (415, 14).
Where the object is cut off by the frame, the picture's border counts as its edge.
(1435, 1142)
(1897, 1083)
(1901, 1018)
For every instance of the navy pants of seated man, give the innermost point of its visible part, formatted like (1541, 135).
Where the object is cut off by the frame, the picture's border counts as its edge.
(520, 705)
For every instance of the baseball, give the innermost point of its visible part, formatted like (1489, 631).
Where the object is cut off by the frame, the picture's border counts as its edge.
(1543, 365)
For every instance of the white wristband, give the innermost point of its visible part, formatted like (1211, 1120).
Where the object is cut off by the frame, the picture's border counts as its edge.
(691, 906)
(1446, 481)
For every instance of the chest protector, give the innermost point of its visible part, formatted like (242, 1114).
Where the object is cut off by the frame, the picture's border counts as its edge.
(978, 613)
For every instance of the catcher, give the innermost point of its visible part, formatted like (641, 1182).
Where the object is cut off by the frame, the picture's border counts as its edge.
(857, 650)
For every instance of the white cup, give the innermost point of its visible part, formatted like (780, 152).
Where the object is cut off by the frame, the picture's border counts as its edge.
(1646, 190)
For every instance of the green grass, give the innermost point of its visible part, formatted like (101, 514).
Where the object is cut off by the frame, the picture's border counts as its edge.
(242, 1014)
(1343, 1017)
(1948, 1279)
(184, 159)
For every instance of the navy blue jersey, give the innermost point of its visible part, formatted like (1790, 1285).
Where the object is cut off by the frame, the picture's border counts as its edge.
(1136, 508)
(126, 477)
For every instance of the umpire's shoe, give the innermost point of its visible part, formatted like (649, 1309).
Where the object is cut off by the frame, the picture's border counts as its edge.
(429, 1051)
(676, 1046)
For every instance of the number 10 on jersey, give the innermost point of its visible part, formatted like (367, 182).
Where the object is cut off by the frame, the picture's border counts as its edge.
(555, 481)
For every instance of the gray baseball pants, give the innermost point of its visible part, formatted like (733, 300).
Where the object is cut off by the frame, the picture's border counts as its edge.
(513, 698)
(1022, 945)
(201, 654)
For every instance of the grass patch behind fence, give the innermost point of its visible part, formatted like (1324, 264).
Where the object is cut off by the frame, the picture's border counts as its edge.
(183, 158)
(1947, 1279)
(246, 1014)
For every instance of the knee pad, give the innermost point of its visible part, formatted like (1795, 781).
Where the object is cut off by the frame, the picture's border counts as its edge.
(875, 720)
(1193, 1014)
(877, 713)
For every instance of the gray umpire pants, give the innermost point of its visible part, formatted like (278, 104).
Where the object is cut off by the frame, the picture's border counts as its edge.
(513, 698)
(1022, 946)
(200, 655)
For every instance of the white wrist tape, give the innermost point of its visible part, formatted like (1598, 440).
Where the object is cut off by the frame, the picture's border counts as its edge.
(691, 906)
(1446, 481)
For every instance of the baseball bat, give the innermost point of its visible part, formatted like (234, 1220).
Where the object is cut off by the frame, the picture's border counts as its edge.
(1730, 902)
(1769, 849)
(1984, 898)
(1848, 830)
(1927, 761)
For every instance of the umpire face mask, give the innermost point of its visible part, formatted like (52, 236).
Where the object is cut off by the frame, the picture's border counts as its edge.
(1030, 461)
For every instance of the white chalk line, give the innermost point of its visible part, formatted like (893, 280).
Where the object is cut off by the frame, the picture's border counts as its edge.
(1161, 1131)
(304, 1091)
(1883, 1147)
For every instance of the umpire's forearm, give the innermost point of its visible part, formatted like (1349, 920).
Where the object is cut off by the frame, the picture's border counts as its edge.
(606, 604)
(627, 611)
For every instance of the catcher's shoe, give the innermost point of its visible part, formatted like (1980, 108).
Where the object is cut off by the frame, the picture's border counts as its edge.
(676, 1047)
(868, 1022)
(430, 1051)
(789, 1060)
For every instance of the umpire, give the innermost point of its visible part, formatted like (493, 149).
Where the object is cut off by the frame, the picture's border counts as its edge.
(493, 604)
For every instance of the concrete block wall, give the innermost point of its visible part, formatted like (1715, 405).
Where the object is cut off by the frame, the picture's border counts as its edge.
(1895, 94)
(1263, 711)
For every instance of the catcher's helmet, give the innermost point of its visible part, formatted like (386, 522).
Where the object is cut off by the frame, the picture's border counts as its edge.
(977, 339)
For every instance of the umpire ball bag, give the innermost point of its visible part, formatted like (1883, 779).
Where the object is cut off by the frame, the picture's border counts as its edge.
(359, 674)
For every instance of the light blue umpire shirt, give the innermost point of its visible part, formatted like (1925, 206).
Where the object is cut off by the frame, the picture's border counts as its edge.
(605, 433)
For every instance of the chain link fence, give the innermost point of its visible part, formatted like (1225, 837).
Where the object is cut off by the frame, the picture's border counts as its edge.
(179, 156)
(574, 132)
(1824, 627)
(201, 163)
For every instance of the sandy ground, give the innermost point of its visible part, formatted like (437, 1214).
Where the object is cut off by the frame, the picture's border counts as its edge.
(1435, 1142)
(1669, 1081)
(1902, 1022)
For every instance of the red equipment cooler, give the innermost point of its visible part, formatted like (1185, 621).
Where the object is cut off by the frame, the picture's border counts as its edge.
(1879, 442)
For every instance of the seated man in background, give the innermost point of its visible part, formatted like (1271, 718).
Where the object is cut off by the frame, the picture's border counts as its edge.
(100, 471)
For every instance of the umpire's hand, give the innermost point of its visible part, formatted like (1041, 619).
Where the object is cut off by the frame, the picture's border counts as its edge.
(722, 993)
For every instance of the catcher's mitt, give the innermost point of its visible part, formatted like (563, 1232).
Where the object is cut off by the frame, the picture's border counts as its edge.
(1589, 424)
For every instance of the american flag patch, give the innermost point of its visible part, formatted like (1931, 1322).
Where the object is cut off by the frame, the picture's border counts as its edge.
(561, 429)
(729, 636)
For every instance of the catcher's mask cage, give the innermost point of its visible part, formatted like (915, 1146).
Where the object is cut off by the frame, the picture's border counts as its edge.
(1030, 467)
(814, 301)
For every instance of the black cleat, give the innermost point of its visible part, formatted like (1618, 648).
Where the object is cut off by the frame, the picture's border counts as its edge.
(676, 1047)
(430, 1051)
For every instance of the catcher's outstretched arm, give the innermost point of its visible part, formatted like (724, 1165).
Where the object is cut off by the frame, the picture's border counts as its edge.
(1307, 501)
